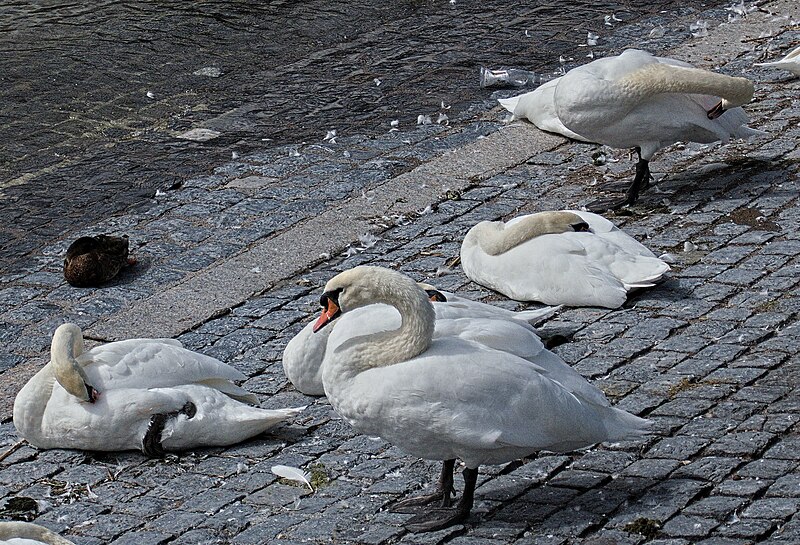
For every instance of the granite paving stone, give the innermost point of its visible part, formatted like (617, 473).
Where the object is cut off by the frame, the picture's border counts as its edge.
(233, 258)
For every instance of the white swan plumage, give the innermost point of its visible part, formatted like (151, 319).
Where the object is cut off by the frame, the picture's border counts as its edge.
(149, 394)
(568, 257)
(790, 62)
(637, 100)
(448, 397)
(27, 533)
(304, 353)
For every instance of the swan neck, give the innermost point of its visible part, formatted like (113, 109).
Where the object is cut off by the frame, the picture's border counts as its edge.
(413, 337)
(496, 238)
(659, 78)
(67, 346)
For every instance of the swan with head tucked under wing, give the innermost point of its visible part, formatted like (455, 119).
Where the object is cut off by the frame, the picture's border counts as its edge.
(447, 397)
(27, 533)
(790, 62)
(304, 353)
(148, 394)
(567, 257)
(636, 100)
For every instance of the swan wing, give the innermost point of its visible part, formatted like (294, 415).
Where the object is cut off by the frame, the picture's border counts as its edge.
(302, 358)
(463, 399)
(147, 363)
(554, 269)
(538, 107)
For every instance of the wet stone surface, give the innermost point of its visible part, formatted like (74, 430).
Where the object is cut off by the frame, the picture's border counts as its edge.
(710, 355)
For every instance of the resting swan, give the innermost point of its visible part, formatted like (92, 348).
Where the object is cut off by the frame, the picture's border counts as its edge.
(303, 355)
(447, 397)
(568, 257)
(790, 62)
(27, 533)
(148, 394)
(637, 100)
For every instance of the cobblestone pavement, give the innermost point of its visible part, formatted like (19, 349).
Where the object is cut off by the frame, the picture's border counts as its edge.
(94, 99)
(710, 355)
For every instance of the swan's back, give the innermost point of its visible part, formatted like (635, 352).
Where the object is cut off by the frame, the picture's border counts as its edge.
(597, 100)
(462, 399)
(572, 268)
(538, 107)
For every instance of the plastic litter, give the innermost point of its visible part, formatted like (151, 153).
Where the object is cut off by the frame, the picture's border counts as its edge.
(511, 76)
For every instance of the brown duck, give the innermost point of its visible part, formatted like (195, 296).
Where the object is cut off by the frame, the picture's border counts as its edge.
(91, 261)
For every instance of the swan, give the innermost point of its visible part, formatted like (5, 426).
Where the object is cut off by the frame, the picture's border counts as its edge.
(447, 397)
(91, 261)
(538, 107)
(790, 62)
(636, 100)
(303, 355)
(27, 533)
(148, 394)
(567, 257)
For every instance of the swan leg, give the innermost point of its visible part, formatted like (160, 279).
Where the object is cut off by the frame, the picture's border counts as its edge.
(151, 442)
(442, 517)
(640, 182)
(442, 494)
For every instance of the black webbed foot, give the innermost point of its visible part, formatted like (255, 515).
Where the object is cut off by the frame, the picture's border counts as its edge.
(443, 494)
(442, 517)
(604, 205)
(436, 519)
(151, 442)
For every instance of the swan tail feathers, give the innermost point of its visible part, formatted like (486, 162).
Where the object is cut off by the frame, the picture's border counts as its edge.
(509, 104)
(535, 316)
(621, 425)
(231, 390)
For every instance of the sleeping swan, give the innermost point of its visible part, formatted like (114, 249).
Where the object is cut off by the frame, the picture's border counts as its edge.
(303, 355)
(447, 397)
(568, 257)
(636, 100)
(148, 394)
(27, 533)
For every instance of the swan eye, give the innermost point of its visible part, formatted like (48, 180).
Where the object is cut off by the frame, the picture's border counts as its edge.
(332, 295)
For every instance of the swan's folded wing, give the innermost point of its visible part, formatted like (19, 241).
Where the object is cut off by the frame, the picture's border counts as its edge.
(149, 363)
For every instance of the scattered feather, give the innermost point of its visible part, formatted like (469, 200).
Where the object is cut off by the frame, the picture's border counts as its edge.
(377, 82)
(234, 155)
(367, 240)
(294, 153)
(699, 29)
(330, 136)
(394, 122)
(591, 39)
(293, 474)
(209, 71)
(199, 135)
(423, 119)
(150, 94)
(443, 119)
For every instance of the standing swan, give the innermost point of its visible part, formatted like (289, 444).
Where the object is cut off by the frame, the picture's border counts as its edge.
(568, 257)
(148, 394)
(447, 397)
(304, 353)
(636, 100)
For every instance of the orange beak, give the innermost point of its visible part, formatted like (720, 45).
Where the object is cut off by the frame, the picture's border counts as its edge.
(330, 312)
